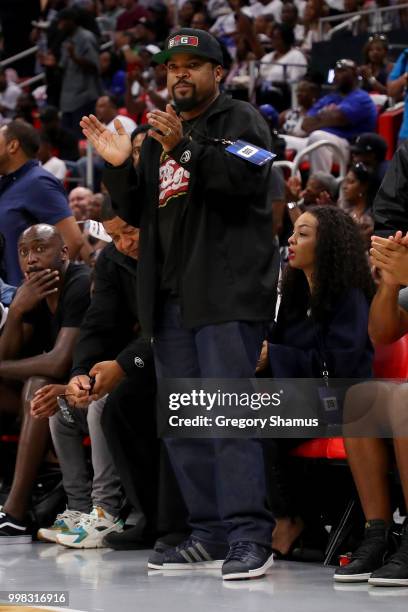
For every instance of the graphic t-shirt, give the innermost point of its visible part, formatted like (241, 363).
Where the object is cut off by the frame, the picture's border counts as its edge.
(173, 188)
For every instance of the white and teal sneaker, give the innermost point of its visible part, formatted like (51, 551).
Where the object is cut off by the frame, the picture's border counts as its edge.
(90, 530)
(62, 524)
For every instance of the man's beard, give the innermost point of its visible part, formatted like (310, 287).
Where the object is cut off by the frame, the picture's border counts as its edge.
(346, 88)
(185, 104)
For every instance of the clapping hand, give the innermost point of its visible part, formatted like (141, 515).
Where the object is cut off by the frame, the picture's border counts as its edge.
(113, 148)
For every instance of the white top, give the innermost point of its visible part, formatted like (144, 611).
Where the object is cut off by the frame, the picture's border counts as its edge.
(8, 99)
(274, 8)
(57, 167)
(275, 73)
(127, 123)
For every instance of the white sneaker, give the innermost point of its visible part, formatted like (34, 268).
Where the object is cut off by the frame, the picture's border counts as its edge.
(62, 524)
(90, 530)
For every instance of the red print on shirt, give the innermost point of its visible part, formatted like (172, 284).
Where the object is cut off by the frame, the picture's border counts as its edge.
(174, 180)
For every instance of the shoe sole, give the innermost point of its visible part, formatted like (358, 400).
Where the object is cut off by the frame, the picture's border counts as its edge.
(44, 538)
(27, 539)
(89, 544)
(352, 578)
(187, 566)
(388, 582)
(255, 573)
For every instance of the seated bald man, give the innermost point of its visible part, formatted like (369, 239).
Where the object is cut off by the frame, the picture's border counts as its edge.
(36, 349)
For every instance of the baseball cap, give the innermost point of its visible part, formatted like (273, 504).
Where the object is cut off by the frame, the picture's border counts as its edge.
(269, 113)
(370, 143)
(189, 40)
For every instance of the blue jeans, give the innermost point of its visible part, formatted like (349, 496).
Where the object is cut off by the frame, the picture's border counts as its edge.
(222, 480)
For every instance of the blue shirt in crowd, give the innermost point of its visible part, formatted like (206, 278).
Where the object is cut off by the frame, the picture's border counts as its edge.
(400, 68)
(27, 196)
(7, 292)
(357, 106)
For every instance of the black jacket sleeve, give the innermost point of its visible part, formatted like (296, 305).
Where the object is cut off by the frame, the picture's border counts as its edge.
(137, 354)
(126, 189)
(391, 203)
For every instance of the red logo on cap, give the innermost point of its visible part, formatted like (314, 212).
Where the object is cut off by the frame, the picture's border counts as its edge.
(182, 39)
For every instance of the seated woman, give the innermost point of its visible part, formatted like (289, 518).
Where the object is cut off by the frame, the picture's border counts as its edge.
(369, 458)
(279, 69)
(376, 66)
(323, 316)
(291, 119)
(357, 196)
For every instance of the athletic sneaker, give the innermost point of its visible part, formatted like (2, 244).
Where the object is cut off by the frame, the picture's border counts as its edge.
(247, 560)
(90, 530)
(12, 531)
(62, 524)
(368, 557)
(395, 571)
(190, 554)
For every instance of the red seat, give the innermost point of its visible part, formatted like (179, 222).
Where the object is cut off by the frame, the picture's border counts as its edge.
(312, 449)
(391, 360)
(388, 126)
(335, 449)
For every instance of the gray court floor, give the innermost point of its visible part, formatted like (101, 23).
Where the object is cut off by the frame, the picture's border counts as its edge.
(104, 580)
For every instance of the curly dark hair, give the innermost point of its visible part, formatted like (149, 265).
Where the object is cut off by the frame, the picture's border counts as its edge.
(341, 265)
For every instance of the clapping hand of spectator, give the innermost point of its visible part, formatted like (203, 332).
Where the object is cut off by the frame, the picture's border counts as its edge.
(114, 148)
(108, 375)
(324, 199)
(44, 403)
(294, 185)
(390, 256)
(36, 287)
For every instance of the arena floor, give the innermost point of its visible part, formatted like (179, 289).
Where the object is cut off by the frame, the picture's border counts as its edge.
(104, 580)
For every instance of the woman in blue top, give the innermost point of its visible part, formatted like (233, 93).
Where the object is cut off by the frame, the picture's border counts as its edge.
(326, 293)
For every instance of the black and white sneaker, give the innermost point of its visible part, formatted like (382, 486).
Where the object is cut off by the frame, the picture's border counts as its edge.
(247, 560)
(12, 531)
(190, 554)
(368, 557)
(395, 571)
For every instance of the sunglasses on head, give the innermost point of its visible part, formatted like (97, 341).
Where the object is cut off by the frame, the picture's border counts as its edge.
(345, 63)
(381, 37)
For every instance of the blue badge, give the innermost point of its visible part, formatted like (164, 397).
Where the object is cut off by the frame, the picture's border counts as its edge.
(251, 153)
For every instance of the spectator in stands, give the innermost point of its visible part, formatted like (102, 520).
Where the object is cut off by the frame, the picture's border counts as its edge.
(371, 149)
(111, 349)
(36, 348)
(107, 111)
(358, 190)
(290, 17)
(112, 74)
(314, 11)
(391, 203)
(369, 457)
(110, 13)
(339, 117)
(266, 7)
(79, 62)
(280, 68)
(28, 194)
(79, 201)
(63, 141)
(376, 67)
(133, 13)
(95, 207)
(50, 162)
(291, 120)
(397, 88)
(9, 93)
(323, 318)
(137, 139)
(27, 109)
(320, 189)
(150, 95)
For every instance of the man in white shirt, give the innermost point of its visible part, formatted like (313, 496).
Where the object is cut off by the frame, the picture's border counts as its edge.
(106, 110)
(266, 7)
(9, 92)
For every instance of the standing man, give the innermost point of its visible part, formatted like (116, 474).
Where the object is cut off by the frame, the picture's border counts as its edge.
(206, 285)
(79, 63)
